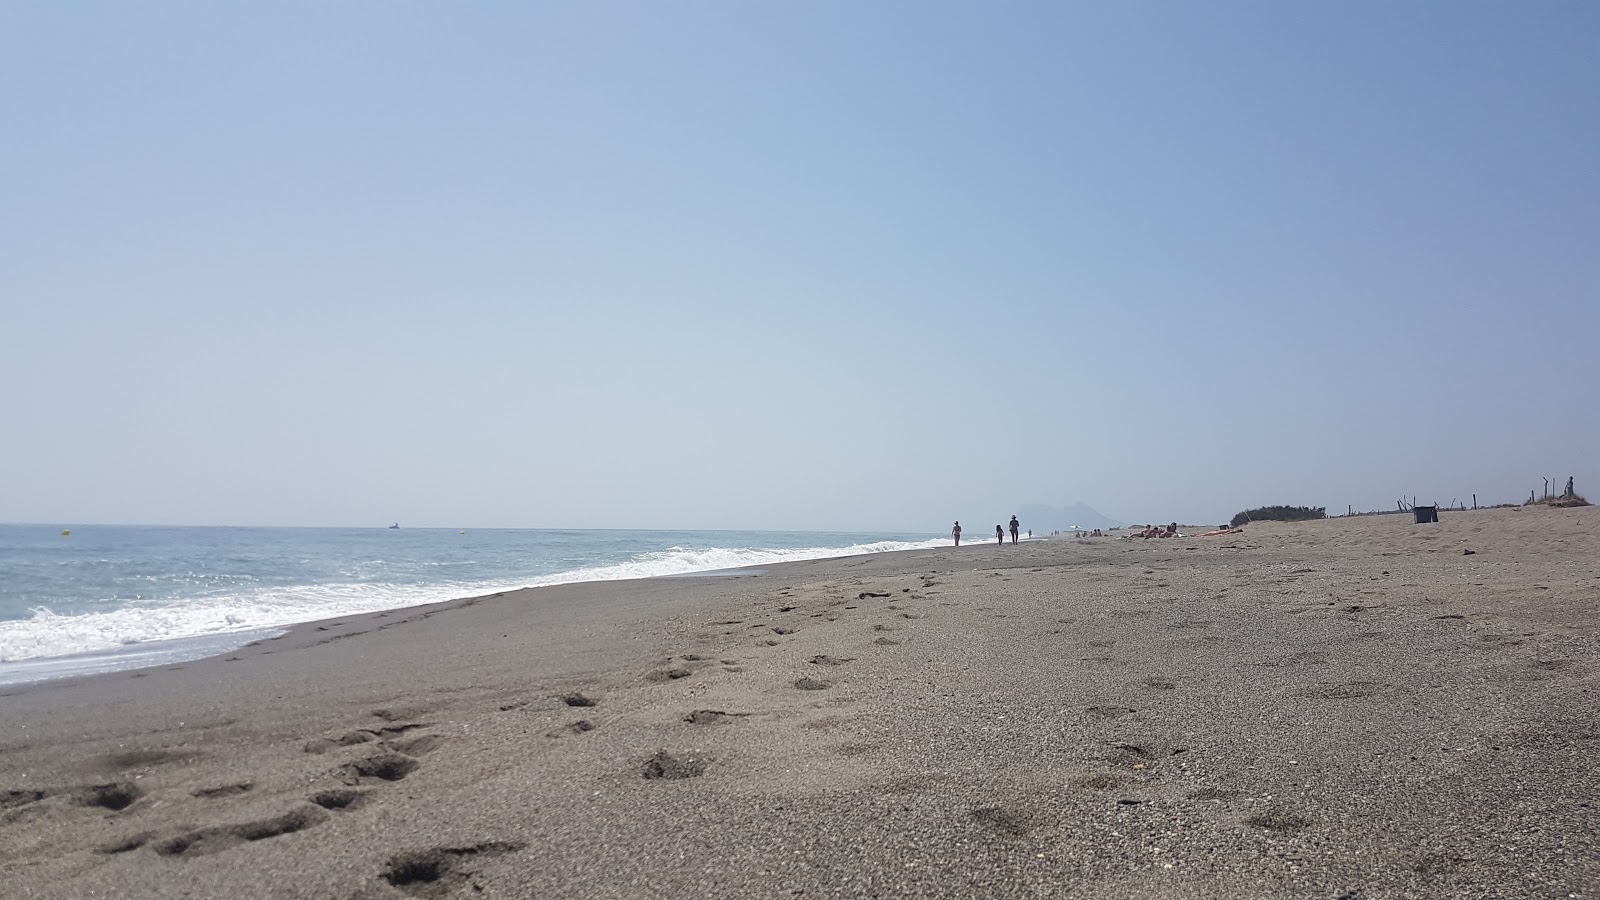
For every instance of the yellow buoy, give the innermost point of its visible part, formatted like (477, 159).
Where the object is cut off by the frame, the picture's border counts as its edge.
(461, 532)
(66, 531)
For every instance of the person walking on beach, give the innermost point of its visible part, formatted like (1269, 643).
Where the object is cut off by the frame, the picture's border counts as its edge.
(956, 533)
(1014, 526)
(1000, 535)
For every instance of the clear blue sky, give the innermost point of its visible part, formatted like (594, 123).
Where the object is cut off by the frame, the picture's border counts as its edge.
(829, 265)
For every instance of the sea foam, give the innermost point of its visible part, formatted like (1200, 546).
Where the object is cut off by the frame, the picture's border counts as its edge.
(47, 634)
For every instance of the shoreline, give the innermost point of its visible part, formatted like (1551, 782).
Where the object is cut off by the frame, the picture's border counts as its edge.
(154, 652)
(129, 657)
(1306, 709)
(203, 648)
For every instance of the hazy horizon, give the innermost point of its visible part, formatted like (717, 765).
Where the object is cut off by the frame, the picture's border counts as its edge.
(831, 267)
(975, 521)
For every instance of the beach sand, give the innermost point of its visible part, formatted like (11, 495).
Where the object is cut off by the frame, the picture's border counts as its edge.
(1352, 708)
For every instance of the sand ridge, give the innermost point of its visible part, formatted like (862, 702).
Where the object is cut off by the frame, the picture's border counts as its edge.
(1346, 708)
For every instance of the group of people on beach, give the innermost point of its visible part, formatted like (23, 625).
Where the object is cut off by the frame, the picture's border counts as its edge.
(999, 532)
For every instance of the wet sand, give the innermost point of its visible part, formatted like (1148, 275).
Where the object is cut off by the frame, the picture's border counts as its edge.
(1352, 708)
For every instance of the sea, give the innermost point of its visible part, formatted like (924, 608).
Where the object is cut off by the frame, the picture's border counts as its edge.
(82, 599)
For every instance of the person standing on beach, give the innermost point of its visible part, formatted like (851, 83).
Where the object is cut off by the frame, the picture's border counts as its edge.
(956, 533)
(1000, 535)
(1014, 526)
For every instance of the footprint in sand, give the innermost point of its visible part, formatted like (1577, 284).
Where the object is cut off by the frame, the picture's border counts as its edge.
(127, 844)
(1000, 820)
(441, 870)
(213, 840)
(383, 767)
(396, 713)
(17, 806)
(340, 799)
(579, 727)
(115, 797)
(416, 746)
(665, 766)
(14, 799)
(712, 717)
(1435, 865)
(226, 790)
(1132, 755)
(361, 736)
(825, 660)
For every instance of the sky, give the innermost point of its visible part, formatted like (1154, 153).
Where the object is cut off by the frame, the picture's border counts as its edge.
(791, 265)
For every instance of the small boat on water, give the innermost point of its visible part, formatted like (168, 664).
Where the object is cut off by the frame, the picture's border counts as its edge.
(395, 525)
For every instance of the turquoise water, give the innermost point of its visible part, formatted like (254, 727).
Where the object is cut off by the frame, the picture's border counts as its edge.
(110, 588)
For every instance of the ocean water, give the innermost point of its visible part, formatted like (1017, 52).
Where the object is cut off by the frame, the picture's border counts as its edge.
(115, 596)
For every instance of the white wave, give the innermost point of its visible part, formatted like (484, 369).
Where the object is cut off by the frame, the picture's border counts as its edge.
(46, 634)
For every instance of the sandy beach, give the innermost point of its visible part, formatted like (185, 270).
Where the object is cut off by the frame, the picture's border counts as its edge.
(1348, 708)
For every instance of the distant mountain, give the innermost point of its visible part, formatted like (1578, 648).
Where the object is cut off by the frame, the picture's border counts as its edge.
(1045, 519)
